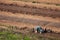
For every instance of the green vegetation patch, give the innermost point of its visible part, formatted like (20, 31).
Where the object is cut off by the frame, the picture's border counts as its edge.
(11, 36)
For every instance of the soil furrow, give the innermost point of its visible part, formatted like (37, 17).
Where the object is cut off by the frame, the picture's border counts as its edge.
(23, 20)
(29, 10)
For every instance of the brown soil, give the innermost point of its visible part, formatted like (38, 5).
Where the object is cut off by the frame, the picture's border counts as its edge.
(20, 16)
(32, 11)
(30, 21)
(41, 1)
(42, 5)
(50, 1)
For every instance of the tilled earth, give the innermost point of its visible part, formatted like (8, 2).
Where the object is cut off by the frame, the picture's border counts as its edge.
(33, 11)
(29, 10)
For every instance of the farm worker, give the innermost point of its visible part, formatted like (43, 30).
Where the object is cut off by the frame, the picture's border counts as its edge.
(37, 29)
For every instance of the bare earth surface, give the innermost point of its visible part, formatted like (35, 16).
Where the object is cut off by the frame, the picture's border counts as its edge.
(41, 1)
(43, 21)
(30, 16)
(38, 18)
(32, 11)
